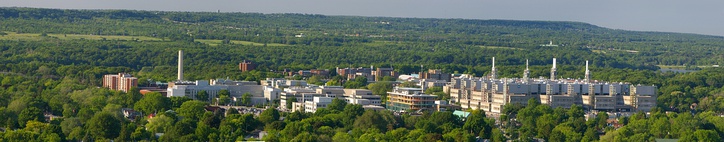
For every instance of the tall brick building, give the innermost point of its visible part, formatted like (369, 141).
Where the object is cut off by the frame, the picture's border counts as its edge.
(121, 81)
(246, 66)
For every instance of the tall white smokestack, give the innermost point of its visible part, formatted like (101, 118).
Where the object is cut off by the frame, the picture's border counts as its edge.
(180, 65)
(494, 72)
(588, 73)
(553, 70)
(526, 73)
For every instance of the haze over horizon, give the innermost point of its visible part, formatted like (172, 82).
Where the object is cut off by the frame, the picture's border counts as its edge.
(700, 17)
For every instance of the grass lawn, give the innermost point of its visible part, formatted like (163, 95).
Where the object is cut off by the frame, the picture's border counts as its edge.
(36, 37)
(107, 37)
(378, 43)
(500, 47)
(216, 42)
(671, 67)
(598, 51)
(24, 37)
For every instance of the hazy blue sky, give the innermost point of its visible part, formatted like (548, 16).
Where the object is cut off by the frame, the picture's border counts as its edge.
(699, 16)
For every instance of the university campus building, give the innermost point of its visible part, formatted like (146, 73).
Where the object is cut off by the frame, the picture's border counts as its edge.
(491, 93)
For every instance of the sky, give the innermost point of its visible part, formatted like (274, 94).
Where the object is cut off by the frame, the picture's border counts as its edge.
(699, 16)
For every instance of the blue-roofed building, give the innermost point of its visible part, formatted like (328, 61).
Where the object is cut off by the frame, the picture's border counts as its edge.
(461, 114)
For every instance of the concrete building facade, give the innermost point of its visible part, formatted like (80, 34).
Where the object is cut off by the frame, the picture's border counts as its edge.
(491, 94)
(260, 94)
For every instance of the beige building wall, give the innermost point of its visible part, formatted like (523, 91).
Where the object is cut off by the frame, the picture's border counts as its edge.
(491, 95)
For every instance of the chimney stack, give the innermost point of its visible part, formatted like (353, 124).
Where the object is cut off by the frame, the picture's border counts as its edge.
(493, 71)
(553, 70)
(526, 72)
(180, 65)
(588, 73)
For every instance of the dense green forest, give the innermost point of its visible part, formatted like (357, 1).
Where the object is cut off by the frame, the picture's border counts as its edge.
(52, 61)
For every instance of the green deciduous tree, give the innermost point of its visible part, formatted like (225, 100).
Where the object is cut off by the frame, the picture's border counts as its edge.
(30, 114)
(337, 105)
(269, 115)
(370, 119)
(381, 89)
(497, 136)
(192, 110)
(224, 97)
(176, 102)
(134, 95)
(159, 124)
(342, 137)
(315, 80)
(290, 102)
(458, 135)
(141, 134)
(152, 103)
(475, 123)
(563, 133)
(103, 126)
(246, 99)
(202, 95)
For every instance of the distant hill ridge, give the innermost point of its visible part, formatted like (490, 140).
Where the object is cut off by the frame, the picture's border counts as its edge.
(578, 41)
(39, 13)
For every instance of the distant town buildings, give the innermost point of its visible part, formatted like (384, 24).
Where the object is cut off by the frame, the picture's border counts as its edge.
(246, 66)
(122, 81)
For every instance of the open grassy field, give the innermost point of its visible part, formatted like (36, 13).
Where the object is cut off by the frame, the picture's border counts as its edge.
(37, 36)
(378, 43)
(671, 67)
(598, 51)
(101, 37)
(216, 42)
(24, 37)
(500, 47)
(684, 67)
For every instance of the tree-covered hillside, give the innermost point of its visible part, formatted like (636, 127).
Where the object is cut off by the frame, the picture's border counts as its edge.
(450, 41)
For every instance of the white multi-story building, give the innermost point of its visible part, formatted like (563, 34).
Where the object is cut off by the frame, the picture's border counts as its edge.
(301, 95)
(284, 83)
(271, 93)
(191, 89)
(317, 103)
